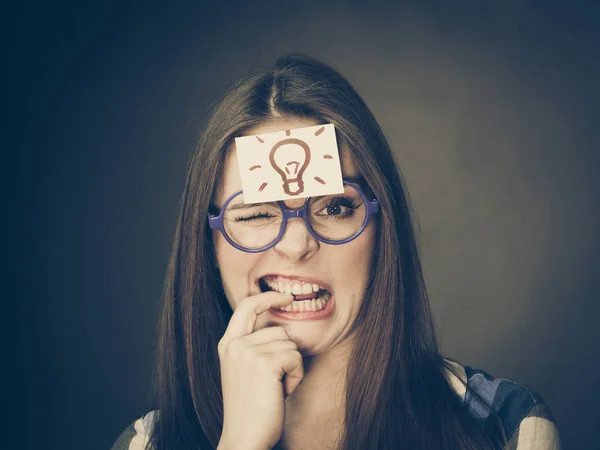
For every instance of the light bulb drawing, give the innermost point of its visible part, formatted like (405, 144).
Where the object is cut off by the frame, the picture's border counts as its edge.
(290, 158)
(296, 163)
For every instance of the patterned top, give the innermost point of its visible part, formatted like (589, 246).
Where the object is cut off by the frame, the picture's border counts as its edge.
(526, 418)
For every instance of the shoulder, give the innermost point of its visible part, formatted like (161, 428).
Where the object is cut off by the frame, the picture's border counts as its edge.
(137, 434)
(525, 416)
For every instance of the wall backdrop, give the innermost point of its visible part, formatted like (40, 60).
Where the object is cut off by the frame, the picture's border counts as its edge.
(490, 106)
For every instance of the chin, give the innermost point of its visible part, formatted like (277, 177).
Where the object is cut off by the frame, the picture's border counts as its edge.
(309, 340)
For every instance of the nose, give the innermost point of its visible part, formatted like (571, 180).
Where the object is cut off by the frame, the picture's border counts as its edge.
(297, 243)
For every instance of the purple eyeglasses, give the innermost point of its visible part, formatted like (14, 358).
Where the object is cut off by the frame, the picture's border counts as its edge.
(332, 219)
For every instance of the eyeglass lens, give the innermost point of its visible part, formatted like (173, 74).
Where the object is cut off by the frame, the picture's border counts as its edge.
(333, 217)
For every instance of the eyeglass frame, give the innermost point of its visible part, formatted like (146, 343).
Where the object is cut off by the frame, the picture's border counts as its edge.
(216, 222)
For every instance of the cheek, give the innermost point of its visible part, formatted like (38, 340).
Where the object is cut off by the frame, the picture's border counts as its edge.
(221, 247)
(363, 247)
(235, 268)
(357, 261)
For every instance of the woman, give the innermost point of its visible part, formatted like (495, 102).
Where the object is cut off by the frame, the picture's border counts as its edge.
(363, 372)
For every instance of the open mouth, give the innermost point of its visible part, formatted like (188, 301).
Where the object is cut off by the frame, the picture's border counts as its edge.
(307, 296)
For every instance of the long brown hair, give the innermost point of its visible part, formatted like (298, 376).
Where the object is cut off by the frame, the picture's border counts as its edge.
(397, 392)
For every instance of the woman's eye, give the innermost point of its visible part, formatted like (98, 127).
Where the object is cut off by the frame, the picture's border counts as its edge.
(334, 210)
(254, 217)
(338, 207)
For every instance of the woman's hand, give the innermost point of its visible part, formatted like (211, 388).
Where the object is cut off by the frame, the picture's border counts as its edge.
(258, 370)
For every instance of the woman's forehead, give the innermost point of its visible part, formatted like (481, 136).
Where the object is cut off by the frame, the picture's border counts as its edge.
(231, 181)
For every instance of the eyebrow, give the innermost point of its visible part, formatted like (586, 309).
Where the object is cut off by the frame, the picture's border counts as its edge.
(246, 205)
(355, 179)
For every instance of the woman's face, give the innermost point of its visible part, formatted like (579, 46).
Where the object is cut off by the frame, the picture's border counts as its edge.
(298, 258)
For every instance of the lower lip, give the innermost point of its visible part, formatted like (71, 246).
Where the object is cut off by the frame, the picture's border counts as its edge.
(305, 315)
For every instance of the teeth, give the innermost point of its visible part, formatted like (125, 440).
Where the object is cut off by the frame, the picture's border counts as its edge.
(296, 288)
(307, 305)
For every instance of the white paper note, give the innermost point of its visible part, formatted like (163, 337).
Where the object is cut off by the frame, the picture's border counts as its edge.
(289, 164)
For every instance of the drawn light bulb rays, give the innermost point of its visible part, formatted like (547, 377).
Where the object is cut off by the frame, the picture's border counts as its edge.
(290, 158)
(288, 164)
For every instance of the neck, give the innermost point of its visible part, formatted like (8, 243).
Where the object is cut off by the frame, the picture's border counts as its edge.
(318, 404)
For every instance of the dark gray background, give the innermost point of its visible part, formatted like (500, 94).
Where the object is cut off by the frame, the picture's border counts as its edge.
(491, 107)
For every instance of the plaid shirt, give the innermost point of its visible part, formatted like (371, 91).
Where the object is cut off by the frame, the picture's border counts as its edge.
(527, 421)
(526, 418)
